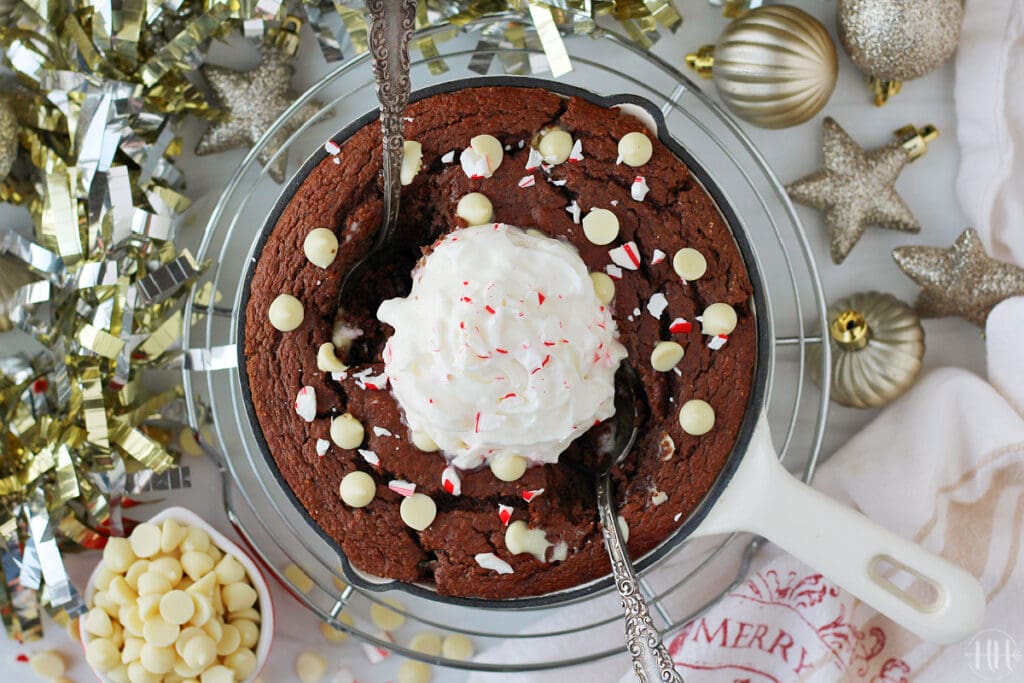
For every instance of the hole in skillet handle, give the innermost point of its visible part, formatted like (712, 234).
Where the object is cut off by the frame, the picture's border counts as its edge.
(651, 116)
(917, 590)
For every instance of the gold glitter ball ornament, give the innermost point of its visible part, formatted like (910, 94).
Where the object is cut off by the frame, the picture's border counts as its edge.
(877, 344)
(896, 40)
(775, 66)
(962, 280)
(253, 101)
(855, 187)
(8, 137)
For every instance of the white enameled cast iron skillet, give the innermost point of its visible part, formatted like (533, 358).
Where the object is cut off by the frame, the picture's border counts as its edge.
(753, 493)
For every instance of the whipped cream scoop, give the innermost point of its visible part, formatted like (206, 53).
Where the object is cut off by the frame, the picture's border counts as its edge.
(502, 346)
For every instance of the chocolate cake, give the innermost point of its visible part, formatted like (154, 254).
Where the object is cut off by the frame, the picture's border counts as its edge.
(660, 210)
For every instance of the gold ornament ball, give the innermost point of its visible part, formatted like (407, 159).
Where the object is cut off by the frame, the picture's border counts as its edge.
(897, 40)
(8, 137)
(774, 67)
(877, 344)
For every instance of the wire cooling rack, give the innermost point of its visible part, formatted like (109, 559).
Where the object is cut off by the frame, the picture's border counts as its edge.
(681, 585)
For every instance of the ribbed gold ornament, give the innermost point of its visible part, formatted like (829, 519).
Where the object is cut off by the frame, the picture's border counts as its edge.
(8, 137)
(775, 66)
(877, 345)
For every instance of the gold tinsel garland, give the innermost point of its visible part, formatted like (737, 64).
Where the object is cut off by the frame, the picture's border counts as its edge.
(98, 91)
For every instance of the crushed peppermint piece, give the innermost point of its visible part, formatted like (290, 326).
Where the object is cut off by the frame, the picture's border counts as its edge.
(474, 164)
(657, 304)
(336, 160)
(321, 447)
(369, 456)
(639, 189)
(531, 494)
(332, 147)
(450, 481)
(678, 372)
(636, 311)
(305, 403)
(381, 431)
(614, 272)
(338, 376)
(527, 181)
(626, 256)
(575, 211)
(402, 487)
(558, 183)
(718, 341)
(657, 257)
(577, 152)
(680, 326)
(559, 552)
(374, 383)
(614, 202)
(493, 562)
(522, 143)
(678, 515)
(534, 161)
(375, 654)
(659, 497)
(505, 514)
(448, 157)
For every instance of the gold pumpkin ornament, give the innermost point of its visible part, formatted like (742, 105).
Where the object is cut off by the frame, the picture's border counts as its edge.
(774, 66)
(877, 345)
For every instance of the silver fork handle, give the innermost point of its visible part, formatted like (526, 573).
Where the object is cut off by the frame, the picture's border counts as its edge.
(391, 25)
(651, 659)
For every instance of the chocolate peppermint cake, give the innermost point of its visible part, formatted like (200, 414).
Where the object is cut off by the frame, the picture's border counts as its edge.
(449, 443)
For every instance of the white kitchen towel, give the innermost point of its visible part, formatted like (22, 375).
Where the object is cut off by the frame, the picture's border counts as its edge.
(990, 123)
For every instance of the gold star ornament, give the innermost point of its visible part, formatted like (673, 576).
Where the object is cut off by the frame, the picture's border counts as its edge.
(253, 100)
(855, 187)
(962, 280)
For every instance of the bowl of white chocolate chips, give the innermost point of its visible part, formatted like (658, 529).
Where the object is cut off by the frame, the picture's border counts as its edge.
(176, 600)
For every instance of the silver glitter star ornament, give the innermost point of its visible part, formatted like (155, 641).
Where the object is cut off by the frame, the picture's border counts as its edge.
(855, 187)
(962, 280)
(253, 100)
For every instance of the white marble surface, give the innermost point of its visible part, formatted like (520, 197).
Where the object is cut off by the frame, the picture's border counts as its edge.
(928, 187)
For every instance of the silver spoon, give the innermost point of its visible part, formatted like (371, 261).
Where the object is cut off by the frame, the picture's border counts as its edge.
(651, 659)
(391, 25)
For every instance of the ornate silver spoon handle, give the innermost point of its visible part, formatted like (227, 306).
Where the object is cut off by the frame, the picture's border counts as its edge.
(391, 25)
(651, 659)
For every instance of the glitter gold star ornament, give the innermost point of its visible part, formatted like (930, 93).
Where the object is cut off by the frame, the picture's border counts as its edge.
(253, 100)
(8, 137)
(962, 280)
(855, 187)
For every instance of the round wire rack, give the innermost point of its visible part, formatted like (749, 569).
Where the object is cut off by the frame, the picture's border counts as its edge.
(681, 585)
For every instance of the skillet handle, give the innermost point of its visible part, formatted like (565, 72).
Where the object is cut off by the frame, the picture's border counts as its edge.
(847, 547)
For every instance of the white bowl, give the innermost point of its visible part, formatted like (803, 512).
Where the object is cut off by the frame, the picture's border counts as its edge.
(184, 516)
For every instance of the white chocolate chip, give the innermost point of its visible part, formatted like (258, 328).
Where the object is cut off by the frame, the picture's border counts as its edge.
(171, 535)
(555, 146)
(199, 651)
(320, 247)
(384, 617)
(347, 431)
(423, 442)
(457, 646)
(623, 527)
(238, 596)
(327, 359)
(412, 671)
(697, 417)
(145, 540)
(494, 563)
(520, 538)
(336, 635)
(666, 355)
(418, 511)
(489, 147)
(604, 287)
(689, 264)
(102, 654)
(310, 667)
(427, 643)
(176, 607)
(118, 555)
(635, 149)
(298, 578)
(508, 466)
(601, 226)
(97, 623)
(412, 160)
(357, 489)
(243, 662)
(157, 660)
(158, 632)
(47, 664)
(285, 312)
(659, 497)
(718, 319)
(475, 208)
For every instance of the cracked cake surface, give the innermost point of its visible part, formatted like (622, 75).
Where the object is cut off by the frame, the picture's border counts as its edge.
(669, 471)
